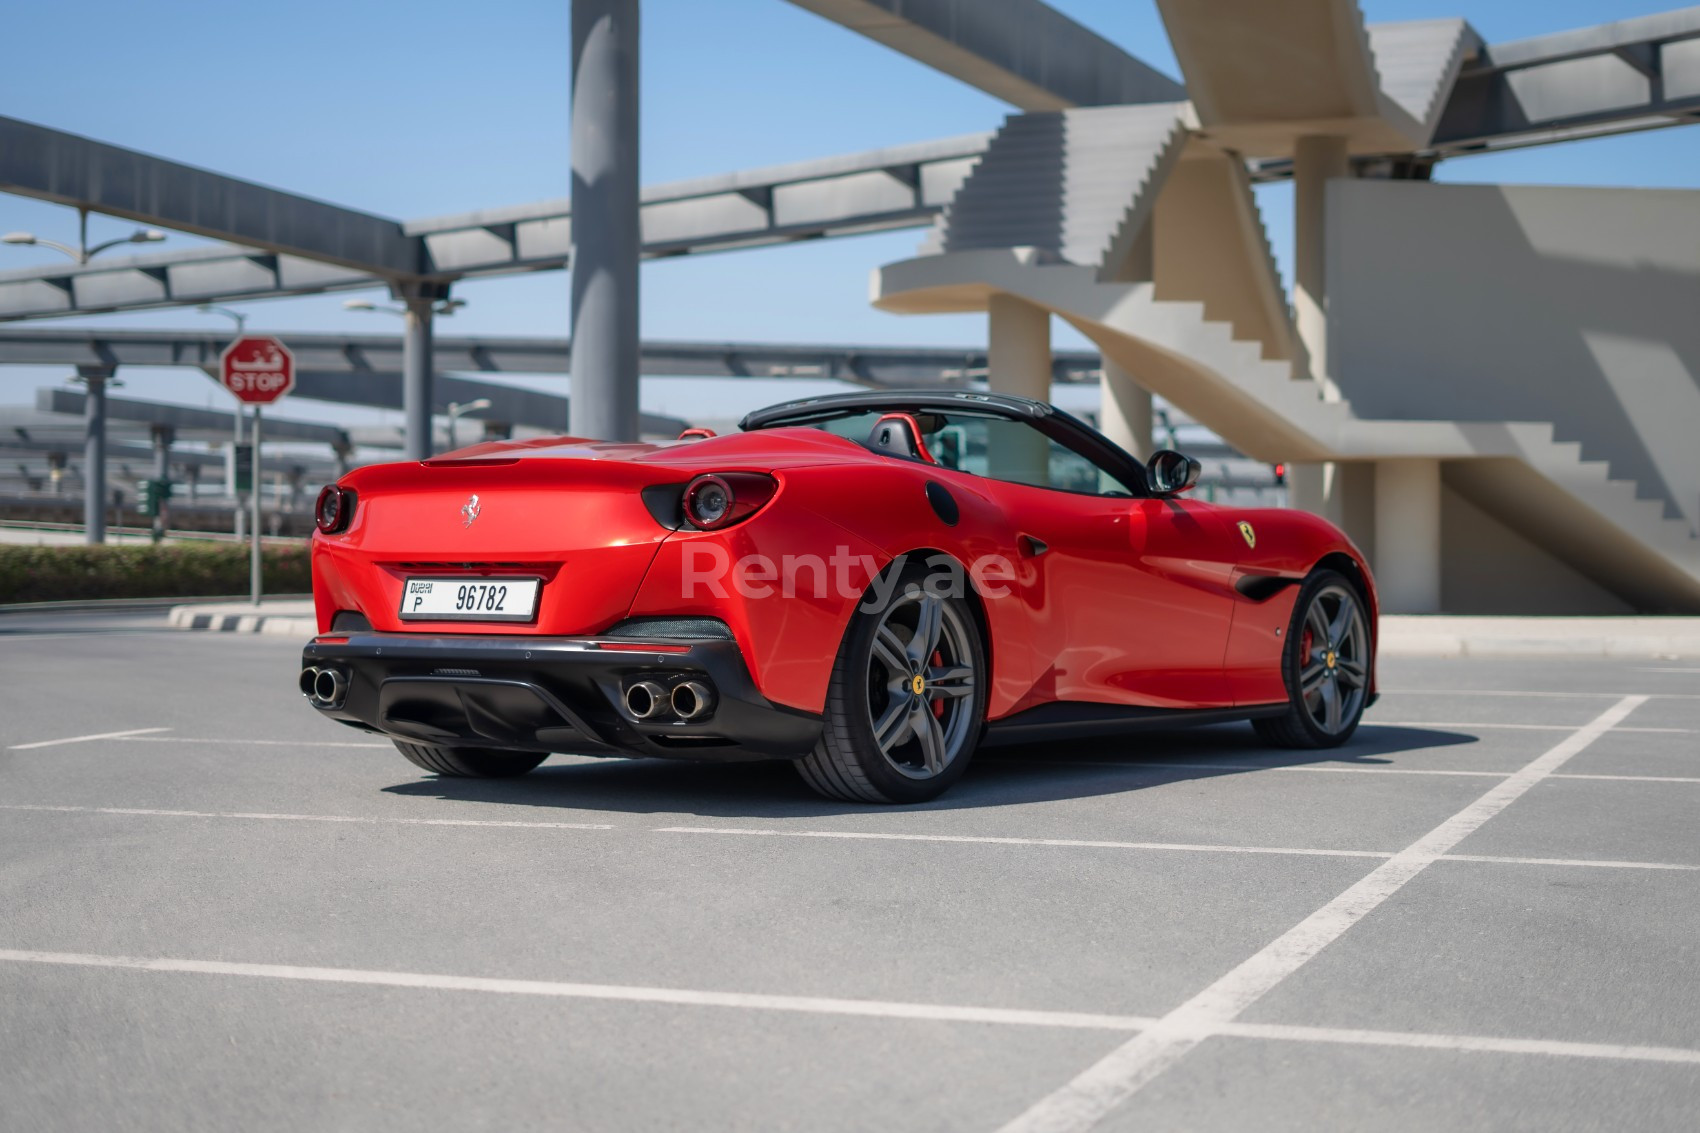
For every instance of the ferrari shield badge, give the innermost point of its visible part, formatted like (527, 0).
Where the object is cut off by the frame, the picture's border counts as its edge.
(1249, 535)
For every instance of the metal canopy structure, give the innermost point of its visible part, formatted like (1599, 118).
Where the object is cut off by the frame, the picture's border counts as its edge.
(51, 165)
(1022, 51)
(875, 191)
(1636, 74)
(343, 356)
(1622, 77)
(70, 402)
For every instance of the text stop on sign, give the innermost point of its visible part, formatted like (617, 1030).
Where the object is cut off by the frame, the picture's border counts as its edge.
(258, 369)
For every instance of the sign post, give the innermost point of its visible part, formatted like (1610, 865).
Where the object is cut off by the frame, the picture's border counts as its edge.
(259, 370)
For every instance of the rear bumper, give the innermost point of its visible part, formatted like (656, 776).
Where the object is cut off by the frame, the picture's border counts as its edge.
(556, 694)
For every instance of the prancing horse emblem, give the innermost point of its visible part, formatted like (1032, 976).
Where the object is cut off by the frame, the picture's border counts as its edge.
(1245, 530)
(469, 511)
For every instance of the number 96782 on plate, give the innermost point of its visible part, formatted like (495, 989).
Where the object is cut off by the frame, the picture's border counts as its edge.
(470, 599)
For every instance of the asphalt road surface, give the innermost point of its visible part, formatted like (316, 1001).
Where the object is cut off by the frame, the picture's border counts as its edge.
(219, 911)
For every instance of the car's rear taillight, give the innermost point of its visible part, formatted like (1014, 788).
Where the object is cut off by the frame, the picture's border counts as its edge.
(335, 509)
(724, 498)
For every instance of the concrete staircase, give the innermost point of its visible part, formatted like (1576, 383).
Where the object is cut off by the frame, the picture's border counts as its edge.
(1516, 471)
(1053, 215)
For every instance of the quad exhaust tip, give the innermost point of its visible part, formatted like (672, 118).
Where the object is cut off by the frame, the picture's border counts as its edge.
(645, 698)
(692, 699)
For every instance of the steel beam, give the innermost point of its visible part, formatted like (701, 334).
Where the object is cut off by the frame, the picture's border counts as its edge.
(875, 191)
(51, 165)
(1022, 51)
(378, 358)
(66, 401)
(1620, 77)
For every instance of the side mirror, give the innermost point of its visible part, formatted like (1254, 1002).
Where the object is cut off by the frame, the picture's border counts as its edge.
(1168, 473)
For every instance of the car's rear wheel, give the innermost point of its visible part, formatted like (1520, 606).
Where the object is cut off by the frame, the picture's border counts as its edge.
(1325, 665)
(908, 695)
(470, 762)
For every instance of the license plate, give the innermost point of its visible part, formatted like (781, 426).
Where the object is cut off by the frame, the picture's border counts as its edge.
(470, 599)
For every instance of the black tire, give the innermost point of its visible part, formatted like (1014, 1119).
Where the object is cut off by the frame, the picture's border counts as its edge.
(849, 763)
(1337, 667)
(470, 762)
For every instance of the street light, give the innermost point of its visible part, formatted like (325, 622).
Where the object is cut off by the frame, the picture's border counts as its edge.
(443, 307)
(456, 408)
(240, 318)
(82, 253)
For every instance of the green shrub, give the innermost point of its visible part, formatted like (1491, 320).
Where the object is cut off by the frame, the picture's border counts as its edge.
(179, 570)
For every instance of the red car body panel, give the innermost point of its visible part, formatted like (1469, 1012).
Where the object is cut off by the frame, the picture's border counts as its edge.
(1158, 602)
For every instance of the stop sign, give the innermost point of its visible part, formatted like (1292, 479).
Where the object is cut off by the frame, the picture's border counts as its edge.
(257, 368)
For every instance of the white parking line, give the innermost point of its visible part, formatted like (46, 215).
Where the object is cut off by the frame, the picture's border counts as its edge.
(1511, 727)
(1525, 692)
(262, 743)
(1042, 761)
(1457, 1042)
(864, 1008)
(1106, 1084)
(354, 818)
(1078, 843)
(85, 739)
(1594, 863)
(812, 1005)
(847, 835)
(1135, 764)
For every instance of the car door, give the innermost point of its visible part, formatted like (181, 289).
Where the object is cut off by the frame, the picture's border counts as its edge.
(1132, 596)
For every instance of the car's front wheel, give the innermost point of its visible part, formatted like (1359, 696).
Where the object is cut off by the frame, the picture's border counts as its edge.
(907, 699)
(1326, 666)
(469, 762)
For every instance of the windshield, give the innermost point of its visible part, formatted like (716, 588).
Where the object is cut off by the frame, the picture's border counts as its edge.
(997, 448)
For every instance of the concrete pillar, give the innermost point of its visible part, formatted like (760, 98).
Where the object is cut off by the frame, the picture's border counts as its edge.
(1316, 160)
(1124, 411)
(1018, 361)
(94, 452)
(416, 375)
(192, 475)
(1407, 536)
(606, 241)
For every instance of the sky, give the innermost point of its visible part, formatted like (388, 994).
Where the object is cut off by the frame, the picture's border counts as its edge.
(429, 107)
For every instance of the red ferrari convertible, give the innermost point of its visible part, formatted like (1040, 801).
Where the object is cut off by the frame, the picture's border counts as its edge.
(873, 585)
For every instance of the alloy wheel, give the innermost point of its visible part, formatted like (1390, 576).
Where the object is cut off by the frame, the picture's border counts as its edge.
(921, 683)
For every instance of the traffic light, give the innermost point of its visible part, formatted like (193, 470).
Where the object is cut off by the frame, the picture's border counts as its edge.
(151, 496)
(1280, 474)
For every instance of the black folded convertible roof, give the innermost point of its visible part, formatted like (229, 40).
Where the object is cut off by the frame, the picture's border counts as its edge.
(810, 409)
(1064, 428)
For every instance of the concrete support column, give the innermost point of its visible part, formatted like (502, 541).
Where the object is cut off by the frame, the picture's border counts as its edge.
(1407, 536)
(94, 452)
(606, 242)
(1124, 411)
(416, 375)
(1316, 160)
(1018, 361)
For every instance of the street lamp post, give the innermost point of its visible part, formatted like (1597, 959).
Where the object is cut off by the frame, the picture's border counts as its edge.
(423, 303)
(82, 253)
(240, 318)
(456, 408)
